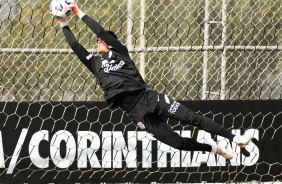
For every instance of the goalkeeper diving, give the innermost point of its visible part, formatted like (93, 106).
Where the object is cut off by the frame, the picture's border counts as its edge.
(124, 87)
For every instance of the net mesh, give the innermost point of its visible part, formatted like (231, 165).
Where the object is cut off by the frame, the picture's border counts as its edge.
(189, 50)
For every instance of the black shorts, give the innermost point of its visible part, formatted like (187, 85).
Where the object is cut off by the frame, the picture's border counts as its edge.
(156, 105)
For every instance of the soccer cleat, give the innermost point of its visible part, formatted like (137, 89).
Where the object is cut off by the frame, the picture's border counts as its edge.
(219, 150)
(242, 140)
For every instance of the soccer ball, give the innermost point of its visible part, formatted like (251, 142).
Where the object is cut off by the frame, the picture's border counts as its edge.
(60, 9)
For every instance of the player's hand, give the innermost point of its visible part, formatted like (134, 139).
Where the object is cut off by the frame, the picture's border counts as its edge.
(74, 6)
(60, 20)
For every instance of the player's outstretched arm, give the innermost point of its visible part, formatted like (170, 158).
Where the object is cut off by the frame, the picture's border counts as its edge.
(79, 50)
(99, 30)
(68, 33)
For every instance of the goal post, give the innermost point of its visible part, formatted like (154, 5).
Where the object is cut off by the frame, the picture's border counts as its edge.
(220, 58)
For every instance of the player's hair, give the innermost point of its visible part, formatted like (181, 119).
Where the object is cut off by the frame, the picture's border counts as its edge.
(112, 33)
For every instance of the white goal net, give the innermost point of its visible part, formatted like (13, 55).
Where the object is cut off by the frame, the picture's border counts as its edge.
(223, 51)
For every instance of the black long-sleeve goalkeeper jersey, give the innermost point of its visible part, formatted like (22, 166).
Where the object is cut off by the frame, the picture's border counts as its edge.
(115, 71)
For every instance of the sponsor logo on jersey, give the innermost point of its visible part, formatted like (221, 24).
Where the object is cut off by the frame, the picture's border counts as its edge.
(109, 66)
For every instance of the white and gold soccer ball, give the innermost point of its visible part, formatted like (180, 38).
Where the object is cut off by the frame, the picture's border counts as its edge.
(60, 9)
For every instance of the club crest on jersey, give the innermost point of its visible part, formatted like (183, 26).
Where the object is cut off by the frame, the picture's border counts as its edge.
(109, 66)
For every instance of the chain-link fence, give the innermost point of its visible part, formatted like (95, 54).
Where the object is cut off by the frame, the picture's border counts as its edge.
(187, 49)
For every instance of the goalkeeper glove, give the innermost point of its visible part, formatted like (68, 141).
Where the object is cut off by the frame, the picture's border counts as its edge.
(63, 22)
(75, 9)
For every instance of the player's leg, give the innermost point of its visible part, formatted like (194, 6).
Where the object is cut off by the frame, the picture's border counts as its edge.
(173, 109)
(143, 115)
(158, 127)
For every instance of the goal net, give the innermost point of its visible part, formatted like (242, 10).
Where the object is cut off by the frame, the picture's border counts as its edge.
(220, 58)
